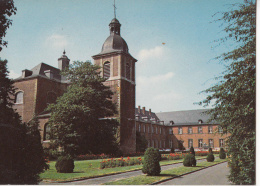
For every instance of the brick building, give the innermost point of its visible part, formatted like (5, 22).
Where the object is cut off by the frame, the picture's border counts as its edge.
(40, 86)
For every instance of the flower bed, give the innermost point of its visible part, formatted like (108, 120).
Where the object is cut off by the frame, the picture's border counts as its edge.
(201, 153)
(92, 156)
(120, 162)
(172, 156)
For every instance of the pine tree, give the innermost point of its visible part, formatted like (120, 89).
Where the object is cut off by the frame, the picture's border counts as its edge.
(234, 96)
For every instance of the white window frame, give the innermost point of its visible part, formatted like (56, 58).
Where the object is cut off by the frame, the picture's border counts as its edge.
(210, 129)
(200, 143)
(200, 130)
(190, 130)
(180, 131)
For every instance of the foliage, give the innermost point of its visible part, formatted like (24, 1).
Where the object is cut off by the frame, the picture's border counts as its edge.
(210, 157)
(151, 165)
(222, 154)
(7, 9)
(120, 162)
(210, 150)
(65, 164)
(141, 142)
(77, 119)
(234, 97)
(21, 157)
(192, 150)
(189, 160)
(172, 156)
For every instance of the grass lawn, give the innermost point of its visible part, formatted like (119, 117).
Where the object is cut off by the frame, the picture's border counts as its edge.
(90, 168)
(143, 179)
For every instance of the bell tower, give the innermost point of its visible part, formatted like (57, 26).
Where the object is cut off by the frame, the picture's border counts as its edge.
(118, 66)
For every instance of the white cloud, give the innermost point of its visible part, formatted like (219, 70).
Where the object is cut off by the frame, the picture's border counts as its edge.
(154, 79)
(13, 75)
(57, 41)
(151, 54)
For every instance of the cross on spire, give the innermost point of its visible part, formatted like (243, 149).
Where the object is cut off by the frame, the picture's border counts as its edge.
(114, 5)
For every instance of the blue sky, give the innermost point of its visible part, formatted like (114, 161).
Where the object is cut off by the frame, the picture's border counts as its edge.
(169, 77)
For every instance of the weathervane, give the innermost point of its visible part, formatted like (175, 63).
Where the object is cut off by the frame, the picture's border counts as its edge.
(114, 9)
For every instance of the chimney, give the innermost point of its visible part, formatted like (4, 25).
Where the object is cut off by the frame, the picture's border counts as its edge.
(150, 112)
(139, 109)
(144, 110)
(26, 73)
(49, 74)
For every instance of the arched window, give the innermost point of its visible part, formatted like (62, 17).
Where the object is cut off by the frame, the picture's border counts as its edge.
(127, 70)
(19, 98)
(46, 134)
(106, 69)
(51, 97)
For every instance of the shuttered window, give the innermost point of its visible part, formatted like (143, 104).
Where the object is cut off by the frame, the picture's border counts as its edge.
(107, 70)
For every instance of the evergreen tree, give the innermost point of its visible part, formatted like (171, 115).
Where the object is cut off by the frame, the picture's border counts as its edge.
(77, 121)
(21, 155)
(234, 96)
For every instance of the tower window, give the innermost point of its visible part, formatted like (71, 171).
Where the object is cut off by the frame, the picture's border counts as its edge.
(127, 70)
(19, 98)
(107, 70)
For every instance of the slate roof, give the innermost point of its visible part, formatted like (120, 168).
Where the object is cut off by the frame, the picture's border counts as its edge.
(39, 71)
(188, 117)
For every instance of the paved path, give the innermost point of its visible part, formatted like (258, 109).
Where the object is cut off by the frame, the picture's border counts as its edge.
(101, 180)
(216, 175)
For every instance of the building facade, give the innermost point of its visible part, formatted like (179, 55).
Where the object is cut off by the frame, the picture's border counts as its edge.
(40, 86)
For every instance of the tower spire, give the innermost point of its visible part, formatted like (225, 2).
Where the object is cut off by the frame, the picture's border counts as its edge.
(114, 5)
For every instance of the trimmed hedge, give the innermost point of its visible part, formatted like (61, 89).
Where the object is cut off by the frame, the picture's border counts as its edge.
(192, 151)
(189, 160)
(151, 165)
(65, 164)
(210, 157)
(222, 154)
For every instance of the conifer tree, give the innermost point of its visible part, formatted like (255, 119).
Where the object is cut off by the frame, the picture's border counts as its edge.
(235, 95)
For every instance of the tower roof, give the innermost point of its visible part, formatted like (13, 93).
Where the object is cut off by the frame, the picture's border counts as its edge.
(114, 43)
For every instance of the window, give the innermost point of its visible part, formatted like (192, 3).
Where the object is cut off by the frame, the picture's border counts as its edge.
(160, 144)
(180, 130)
(163, 144)
(220, 130)
(46, 134)
(19, 98)
(170, 131)
(170, 143)
(211, 143)
(152, 130)
(200, 130)
(190, 130)
(200, 143)
(221, 142)
(106, 70)
(144, 128)
(139, 128)
(51, 97)
(190, 143)
(127, 70)
(160, 130)
(210, 129)
(156, 129)
(148, 143)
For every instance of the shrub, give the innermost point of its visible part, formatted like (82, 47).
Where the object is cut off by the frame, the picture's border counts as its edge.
(192, 150)
(65, 164)
(222, 154)
(189, 160)
(210, 150)
(151, 165)
(210, 157)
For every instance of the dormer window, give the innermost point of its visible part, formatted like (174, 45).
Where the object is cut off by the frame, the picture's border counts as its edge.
(106, 70)
(200, 121)
(171, 122)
